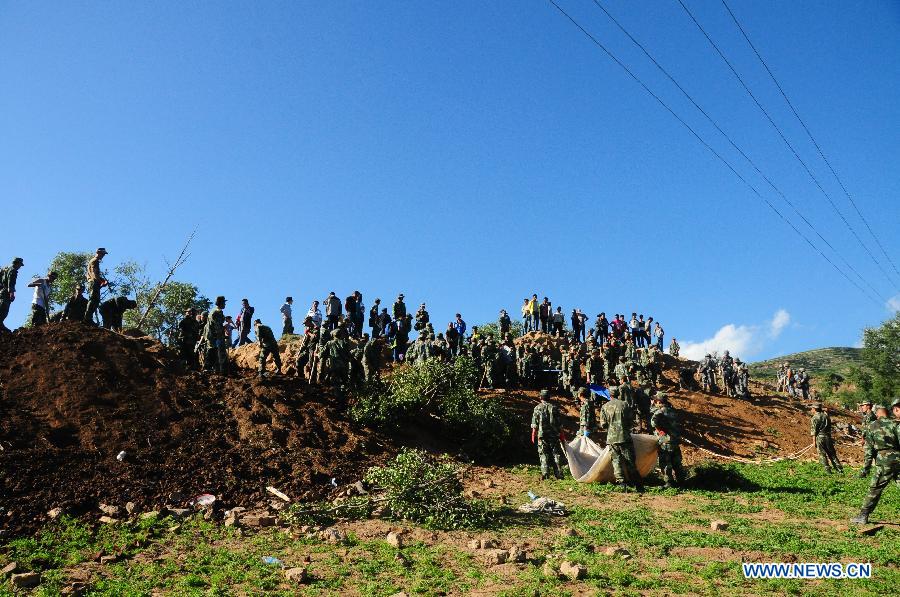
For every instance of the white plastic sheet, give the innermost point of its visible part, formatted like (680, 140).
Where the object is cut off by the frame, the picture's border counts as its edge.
(589, 463)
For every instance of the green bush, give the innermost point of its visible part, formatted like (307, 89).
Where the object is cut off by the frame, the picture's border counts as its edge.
(428, 491)
(441, 391)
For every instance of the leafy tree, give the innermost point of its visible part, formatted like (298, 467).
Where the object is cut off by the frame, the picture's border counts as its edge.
(493, 329)
(169, 306)
(881, 358)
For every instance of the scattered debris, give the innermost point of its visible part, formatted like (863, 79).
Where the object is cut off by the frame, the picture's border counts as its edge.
(108, 520)
(278, 494)
(203, 500)
(121, 456)
(272, 561)
(718, 525)
(104, 560)
(395, 540)
(333, 535)
(494, 557)
(617, 552)
(109, 510)
(297, 575)
(26, 580)
(54, 513)
(9, 569)
(518, 555)
(130, 507)
(259, 520)
(572, 571)
(543, 505)
(150, 514)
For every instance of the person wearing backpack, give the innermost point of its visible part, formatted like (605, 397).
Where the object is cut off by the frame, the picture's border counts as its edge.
(8, 277)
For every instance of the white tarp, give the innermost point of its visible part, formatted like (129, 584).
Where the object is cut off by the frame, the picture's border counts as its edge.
(589, 463)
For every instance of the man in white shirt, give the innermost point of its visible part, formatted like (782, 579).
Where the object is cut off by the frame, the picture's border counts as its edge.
(315, 313)
(40, 304)
(288, 327)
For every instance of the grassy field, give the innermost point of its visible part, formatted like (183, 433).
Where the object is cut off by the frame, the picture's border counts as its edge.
(786, 512)
(819, 362)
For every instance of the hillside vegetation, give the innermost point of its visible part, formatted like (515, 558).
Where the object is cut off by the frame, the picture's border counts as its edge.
(818, 363)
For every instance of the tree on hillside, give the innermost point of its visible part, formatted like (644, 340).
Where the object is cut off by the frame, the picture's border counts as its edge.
(170, 304)
(881, 358)
(493, 329)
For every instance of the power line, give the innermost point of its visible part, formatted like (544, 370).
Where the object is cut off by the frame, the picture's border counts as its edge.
(811, 138)
(783, 138)
(709, 147)
(734, 145)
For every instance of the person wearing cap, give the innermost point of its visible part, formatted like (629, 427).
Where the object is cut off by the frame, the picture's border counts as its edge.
(286, 317)
(76, 305)
(668, 437)
(868, 416)
(618, 419)
(884, 434)
(40, 304)
(8, 277)
(587, 417)
(96, 282)
(214, 336)
(399, 308)
(268, 345)
(547, 434)
(820, 429)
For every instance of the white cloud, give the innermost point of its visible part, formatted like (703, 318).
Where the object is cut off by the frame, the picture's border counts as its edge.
(893, 303)
(742, 341)
(778, 323)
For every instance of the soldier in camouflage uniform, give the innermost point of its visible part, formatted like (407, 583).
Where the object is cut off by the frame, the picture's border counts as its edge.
(573, 371)
(618, 419)
(8, 277)
(587, 417)
(620, 372)
(214, 337)
(418, 351)
(489, 355)
(268, 345)
(668, 437)
(546, 433)
(674, 348)
(595, 368)
(884, 434)
(820, 429)
(336, 366)
(370, 358)
(868, 416)
(802, 381)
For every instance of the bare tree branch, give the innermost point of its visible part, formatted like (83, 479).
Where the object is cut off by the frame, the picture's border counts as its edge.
(182, 257)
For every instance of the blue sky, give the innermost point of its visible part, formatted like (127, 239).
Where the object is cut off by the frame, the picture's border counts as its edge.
(466, 154)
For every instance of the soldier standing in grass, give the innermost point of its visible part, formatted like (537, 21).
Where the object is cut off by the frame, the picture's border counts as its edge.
(268, 345)
(884, 434)
(546, 434)
(868, 416)
(820, 429)
(618, 419)
(668, 437)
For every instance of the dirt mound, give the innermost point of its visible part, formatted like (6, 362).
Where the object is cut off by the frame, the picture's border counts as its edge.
(73, 397)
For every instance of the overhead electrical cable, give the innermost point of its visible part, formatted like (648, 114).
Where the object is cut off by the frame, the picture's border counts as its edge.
(783, 138)
(811, 138)
(735, 146)
(613, 57)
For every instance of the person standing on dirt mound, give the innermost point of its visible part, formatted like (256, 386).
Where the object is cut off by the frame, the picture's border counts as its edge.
(820, 429)
(214, 336)
(884, 434)
(587, 417)
(547, 435)
(96, 282)
(188, 335)
(8, 276)
(40, 304)
(268, 345)
(674, 348)
(618, 419)
(245, 322)
(76, 305)
(287, 317)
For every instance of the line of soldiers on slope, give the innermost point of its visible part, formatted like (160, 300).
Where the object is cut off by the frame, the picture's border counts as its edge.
(734, 375)
(77, 307)
(618, 419)
(794, 383)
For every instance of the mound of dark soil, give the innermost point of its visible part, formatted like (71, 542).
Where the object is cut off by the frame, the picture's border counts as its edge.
(73, 397)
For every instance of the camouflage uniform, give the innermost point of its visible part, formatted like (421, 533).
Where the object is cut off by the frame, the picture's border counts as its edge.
(587, 418)
(489, 355)
(868, 451)
(820, 428)
(618, 418)
(268, 345)
(545, 421)
(214, 336)
(668, 437)
(595, 368)
(370, 358)
(674, 348)
(337, 362)
(8, 277)
(884, 433)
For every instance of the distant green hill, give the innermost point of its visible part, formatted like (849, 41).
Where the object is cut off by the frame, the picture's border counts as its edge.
(817, 362)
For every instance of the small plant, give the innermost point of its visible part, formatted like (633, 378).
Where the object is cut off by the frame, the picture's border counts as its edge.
(427, 490)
